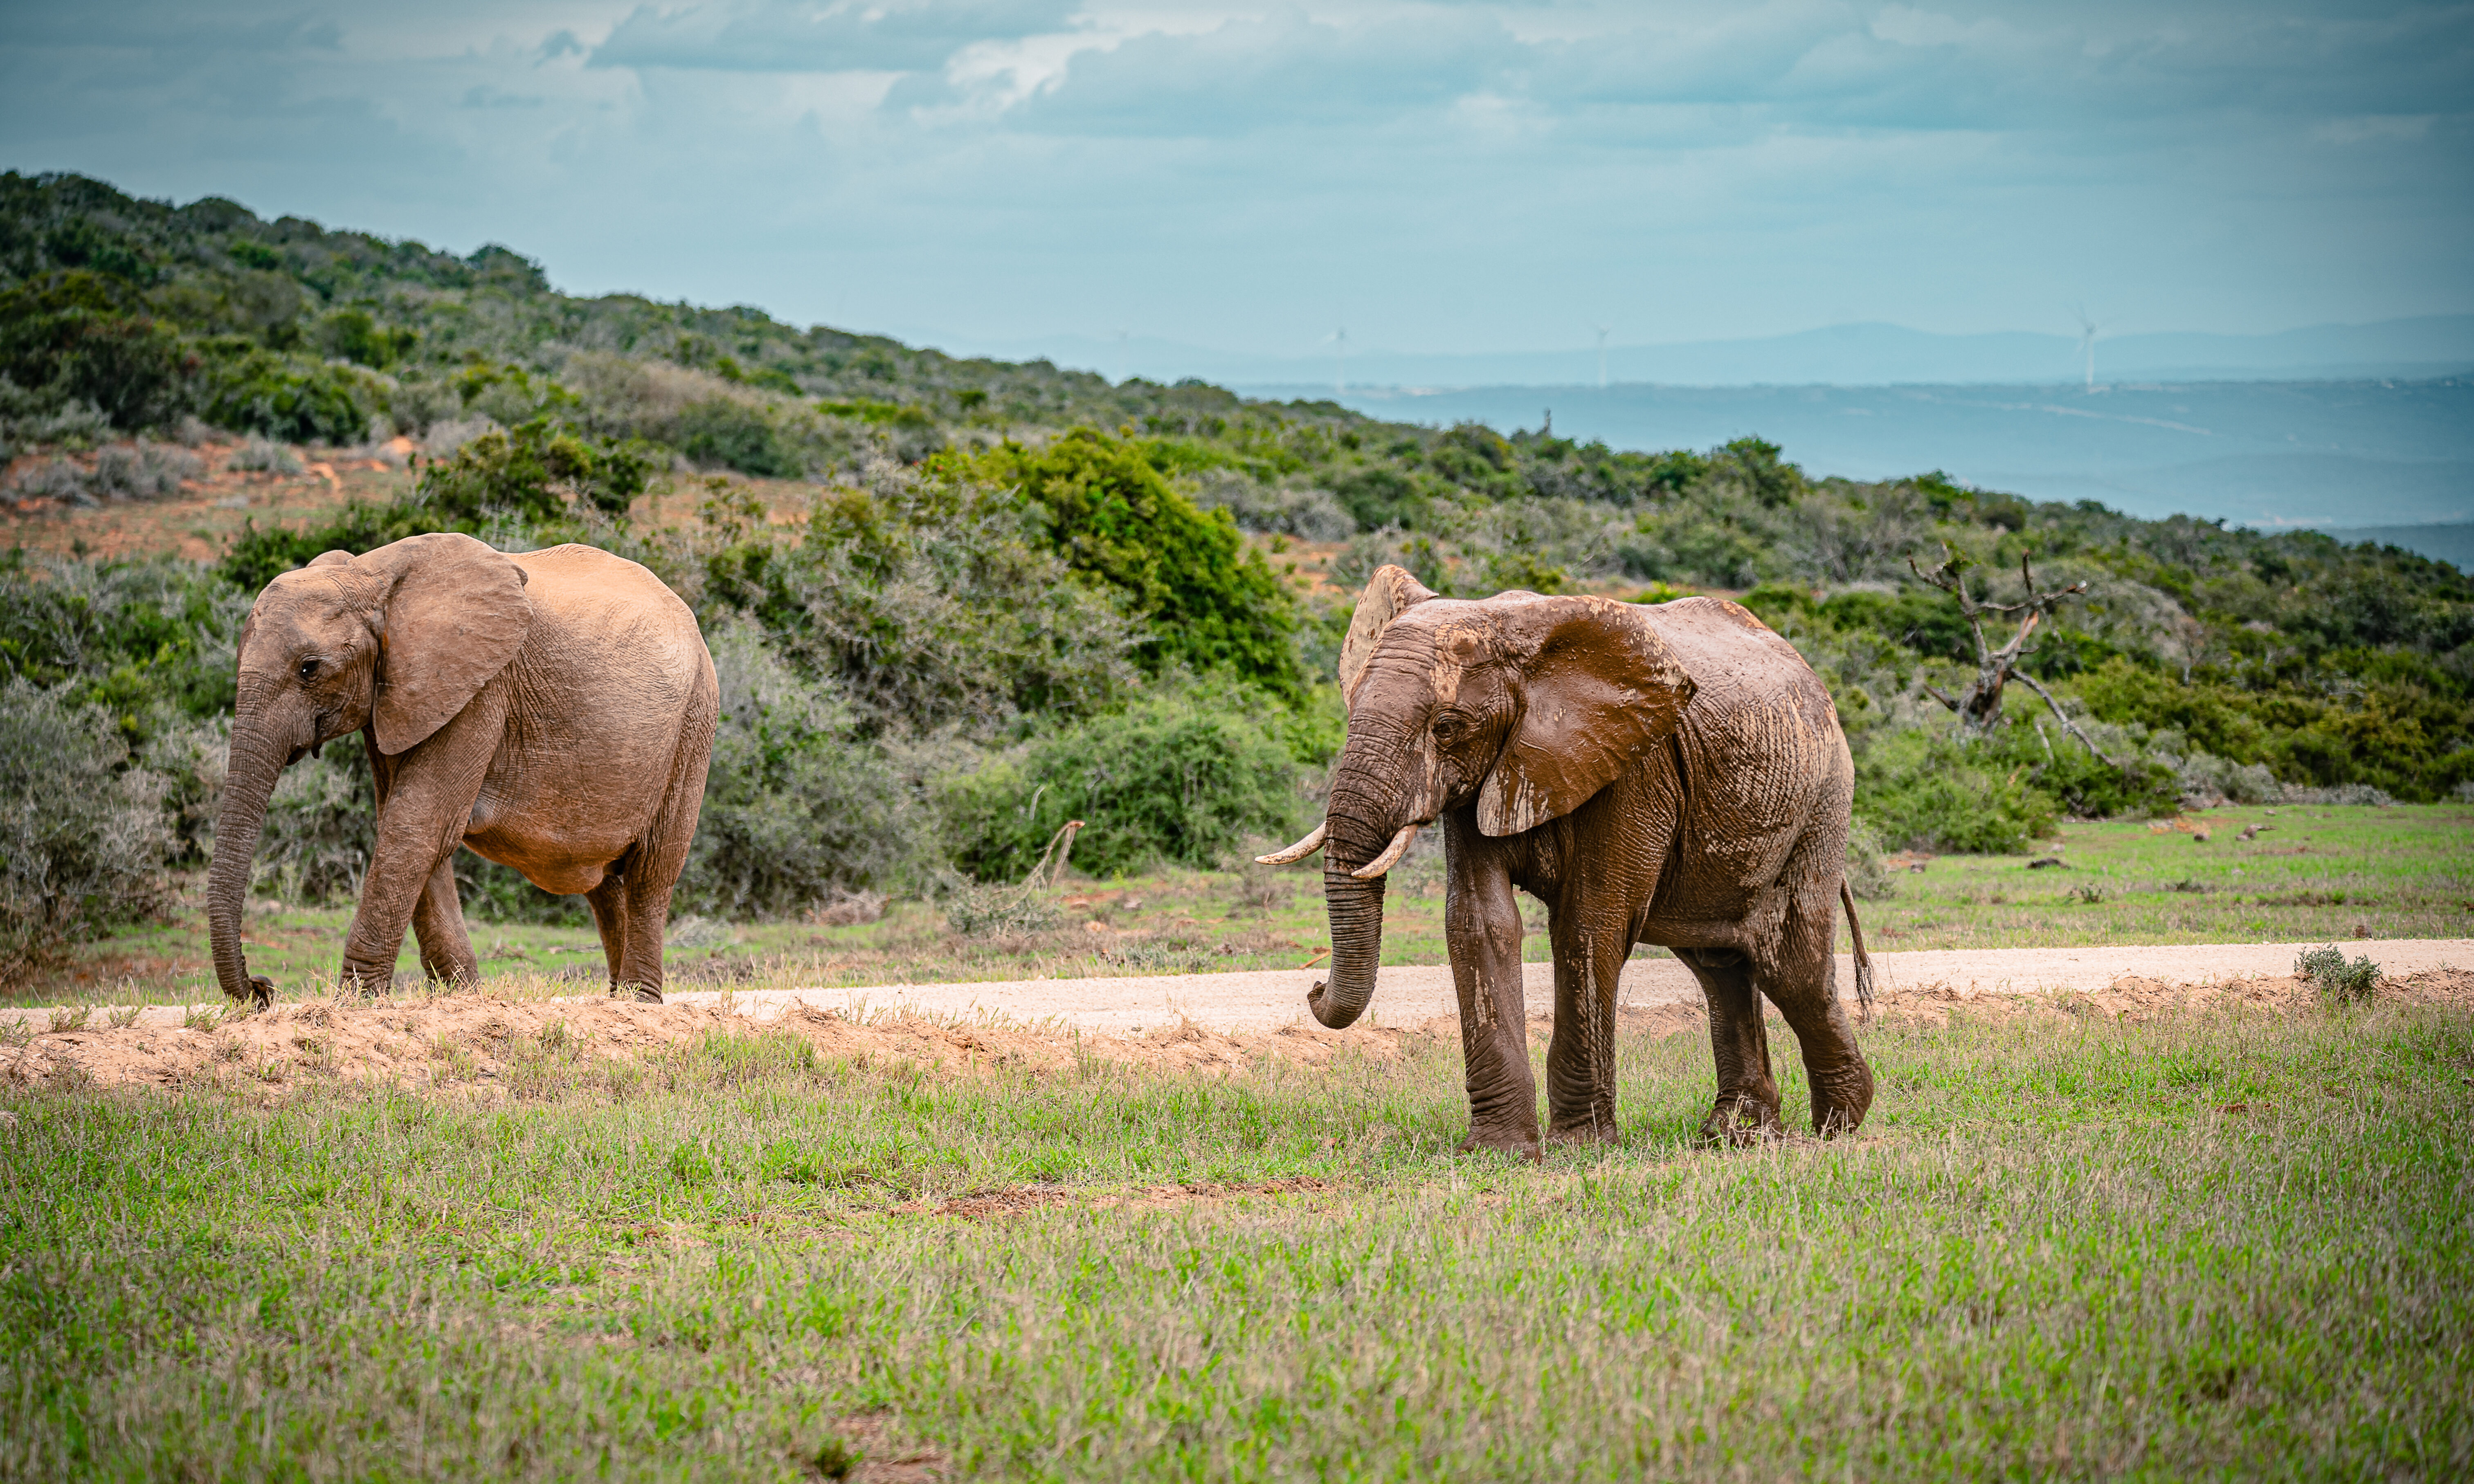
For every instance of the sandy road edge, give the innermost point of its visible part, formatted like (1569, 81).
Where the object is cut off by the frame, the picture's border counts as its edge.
(1409, 996)
(500, 1048)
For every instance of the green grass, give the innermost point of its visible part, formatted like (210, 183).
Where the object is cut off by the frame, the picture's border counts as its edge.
(2054, 1251)
(2319, 874)
(2406, 872)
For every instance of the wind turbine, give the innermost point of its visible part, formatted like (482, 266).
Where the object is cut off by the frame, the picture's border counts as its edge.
(1602, 355)
(1338, 339)
(2087, 345)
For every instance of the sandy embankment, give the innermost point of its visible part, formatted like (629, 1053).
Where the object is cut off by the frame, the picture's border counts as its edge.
(1198, 1021)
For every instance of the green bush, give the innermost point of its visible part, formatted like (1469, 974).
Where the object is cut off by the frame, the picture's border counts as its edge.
(797, 808)
(928, 602)
(1868, 875)
(251, 390)
(1928, 792)
(83, 841)
(76, 337)
(721, 433)
(146, 642)
(320, 826)
(2084, 784)
(259, 557)
(509, 394)
(2402, 731)
(355, 336)
(529, 471)
(1380, 496)
(1171, 779)
(1209, 603)
(2325, 969)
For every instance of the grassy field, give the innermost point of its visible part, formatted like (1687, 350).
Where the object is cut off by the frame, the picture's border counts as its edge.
(2228, 1244)
(2320, 873)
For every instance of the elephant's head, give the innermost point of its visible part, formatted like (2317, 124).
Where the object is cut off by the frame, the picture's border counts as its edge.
(1529, 704)
(397, 641)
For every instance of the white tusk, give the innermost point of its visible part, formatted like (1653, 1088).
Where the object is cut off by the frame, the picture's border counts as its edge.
(1298, 852)
(1390, 855)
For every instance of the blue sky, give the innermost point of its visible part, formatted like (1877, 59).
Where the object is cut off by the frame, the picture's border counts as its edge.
(1463, 177)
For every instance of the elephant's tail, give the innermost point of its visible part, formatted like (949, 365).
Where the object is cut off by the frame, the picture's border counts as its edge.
(1863, 960)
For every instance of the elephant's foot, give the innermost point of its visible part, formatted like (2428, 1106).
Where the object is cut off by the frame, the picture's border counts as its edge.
(1839, 1103)
(1594, 1131)
(1517, 1142)
(1739, 1122)
(364, 983)
(261, 992)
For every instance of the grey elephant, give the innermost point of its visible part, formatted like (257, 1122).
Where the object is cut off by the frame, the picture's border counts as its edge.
(553, 711)
(1671, 775)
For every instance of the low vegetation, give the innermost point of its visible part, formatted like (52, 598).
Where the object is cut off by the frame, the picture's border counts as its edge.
(2216, 1243)
(1009, 594)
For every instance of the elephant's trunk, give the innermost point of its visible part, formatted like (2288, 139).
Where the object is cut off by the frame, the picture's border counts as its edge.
(1363, 822)
(256, 762)
(1356, 910)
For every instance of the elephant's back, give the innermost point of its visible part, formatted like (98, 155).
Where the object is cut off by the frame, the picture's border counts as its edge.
(1759, 706)
(620, 614)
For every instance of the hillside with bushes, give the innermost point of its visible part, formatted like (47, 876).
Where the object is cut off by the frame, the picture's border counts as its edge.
(1019, 595)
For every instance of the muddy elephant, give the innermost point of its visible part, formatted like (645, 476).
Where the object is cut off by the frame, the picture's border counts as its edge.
(1670, 775)
(554, 711)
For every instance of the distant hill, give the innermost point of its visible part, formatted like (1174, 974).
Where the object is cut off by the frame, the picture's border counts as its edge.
(1840, 355)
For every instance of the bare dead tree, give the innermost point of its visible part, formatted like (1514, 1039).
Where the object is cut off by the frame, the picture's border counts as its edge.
(1979, 706)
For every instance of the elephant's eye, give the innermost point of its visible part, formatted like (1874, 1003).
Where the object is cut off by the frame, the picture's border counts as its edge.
(308, 670)
(1448, 729)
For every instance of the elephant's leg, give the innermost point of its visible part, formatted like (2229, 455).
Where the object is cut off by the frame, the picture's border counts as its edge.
(1747, 1104)
(609, 904)
(428, 800)
(1800, 975)
(1592, 943)
(653, 865)
(648, 917)
(1482, 929)
(438, 922)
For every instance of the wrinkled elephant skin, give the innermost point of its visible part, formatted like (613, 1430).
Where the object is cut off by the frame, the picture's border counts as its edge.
(553, 711)
(1670, 775)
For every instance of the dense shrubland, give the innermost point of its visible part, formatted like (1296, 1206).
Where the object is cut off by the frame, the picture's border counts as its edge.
(1022, 595)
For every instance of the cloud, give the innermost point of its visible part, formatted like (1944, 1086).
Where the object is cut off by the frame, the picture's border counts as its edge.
(481, 95)
(1468, 175)
(1285, 72)
(834, 36)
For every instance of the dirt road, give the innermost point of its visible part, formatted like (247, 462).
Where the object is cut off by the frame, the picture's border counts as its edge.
(1411, 997)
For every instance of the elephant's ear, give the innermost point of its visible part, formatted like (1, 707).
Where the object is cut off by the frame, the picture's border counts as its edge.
(455, 612)
(1599, 688)
(1389, 593)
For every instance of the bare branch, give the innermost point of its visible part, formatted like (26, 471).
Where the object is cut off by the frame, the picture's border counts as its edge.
(1979, 705)
(2029, 681)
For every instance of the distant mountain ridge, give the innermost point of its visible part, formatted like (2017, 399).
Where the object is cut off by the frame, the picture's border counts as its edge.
(1867, 354)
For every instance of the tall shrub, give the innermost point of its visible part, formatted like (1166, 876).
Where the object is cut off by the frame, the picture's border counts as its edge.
(796, 803)
(1171, 779)
(83, 838)
(1209, 602)
(1922, 791)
